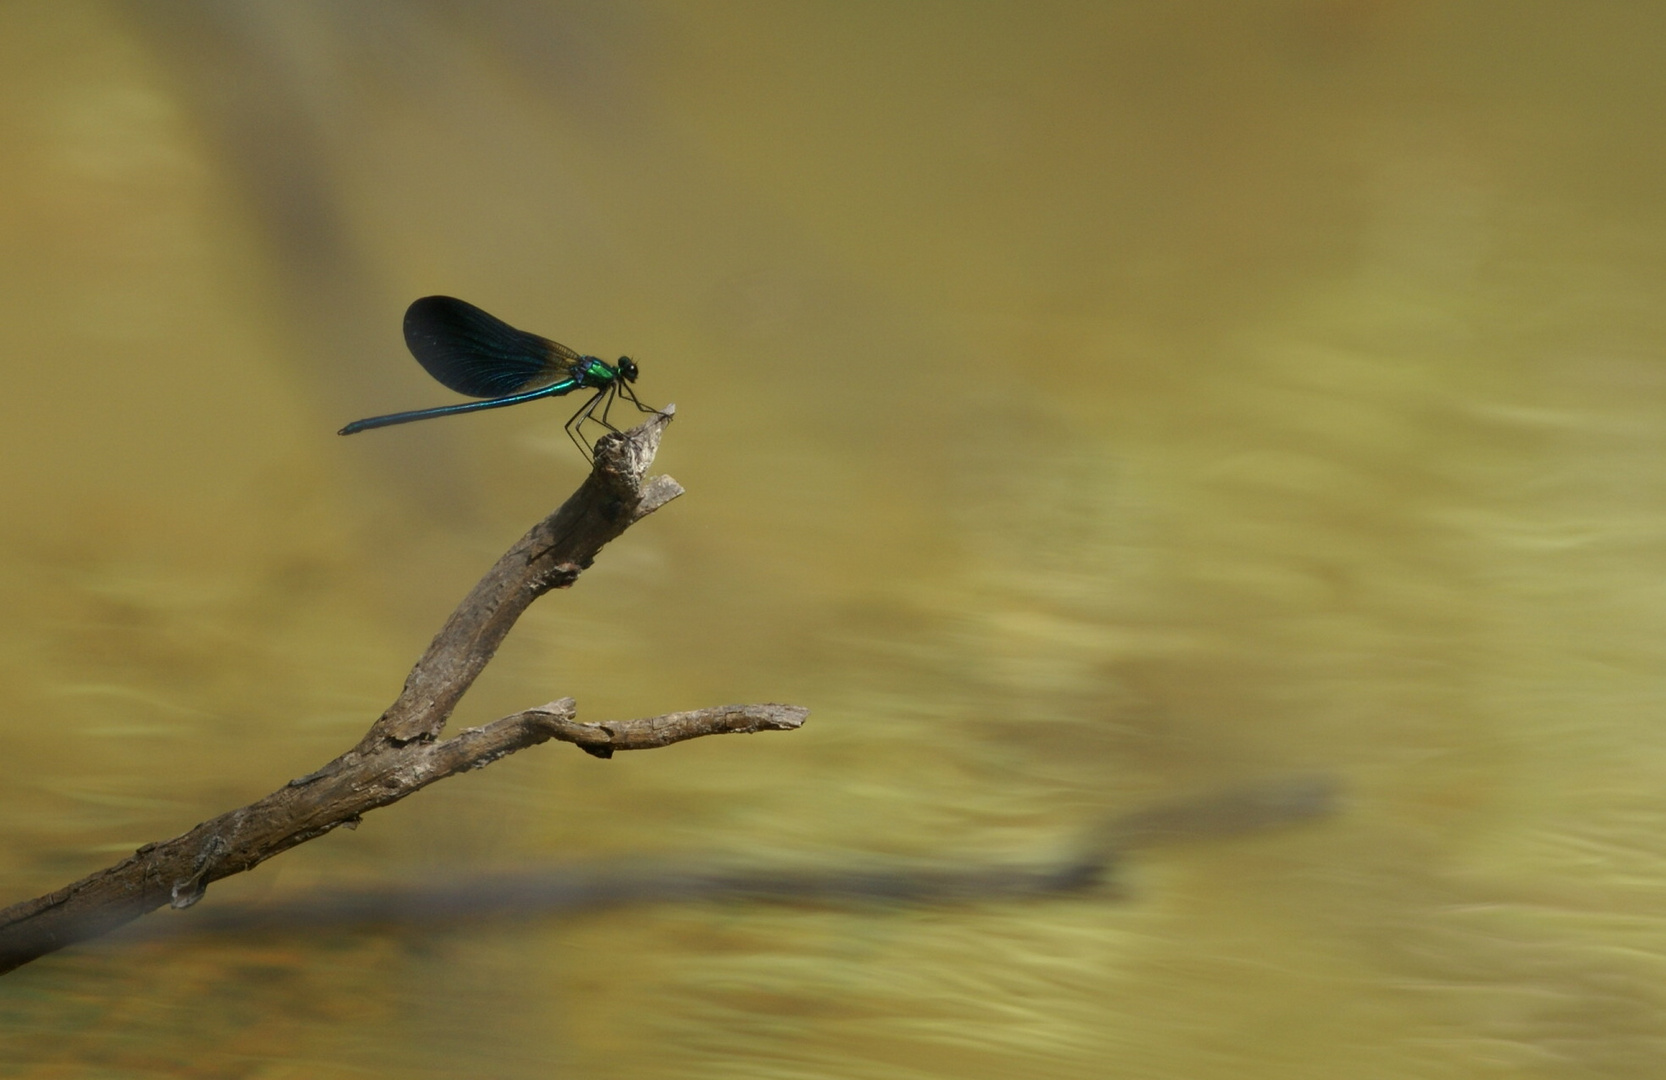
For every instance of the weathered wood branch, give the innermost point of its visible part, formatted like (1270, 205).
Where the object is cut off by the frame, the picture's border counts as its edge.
(550, 556)
(402, 752)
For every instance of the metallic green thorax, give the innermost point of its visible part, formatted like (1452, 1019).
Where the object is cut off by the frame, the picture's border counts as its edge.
(590, 371)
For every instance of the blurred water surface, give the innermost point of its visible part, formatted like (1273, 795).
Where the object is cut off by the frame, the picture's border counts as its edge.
(1080, 404)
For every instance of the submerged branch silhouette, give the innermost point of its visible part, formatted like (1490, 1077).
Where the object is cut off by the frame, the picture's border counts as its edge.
(471, 898)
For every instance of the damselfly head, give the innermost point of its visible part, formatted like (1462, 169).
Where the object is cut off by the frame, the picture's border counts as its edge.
(627, 369)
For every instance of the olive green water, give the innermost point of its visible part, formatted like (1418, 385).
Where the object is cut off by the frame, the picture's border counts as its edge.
(1079, 405)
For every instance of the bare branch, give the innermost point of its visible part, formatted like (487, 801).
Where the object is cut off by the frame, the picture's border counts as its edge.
(402, 754)
(550, 556)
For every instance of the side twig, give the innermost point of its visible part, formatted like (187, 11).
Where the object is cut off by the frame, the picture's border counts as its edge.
(402, 752)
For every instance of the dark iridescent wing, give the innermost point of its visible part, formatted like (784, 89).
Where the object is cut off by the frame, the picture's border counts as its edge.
(478, 354)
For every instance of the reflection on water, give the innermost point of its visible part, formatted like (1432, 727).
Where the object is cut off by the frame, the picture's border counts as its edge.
(436, 901)
(1077, 405)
